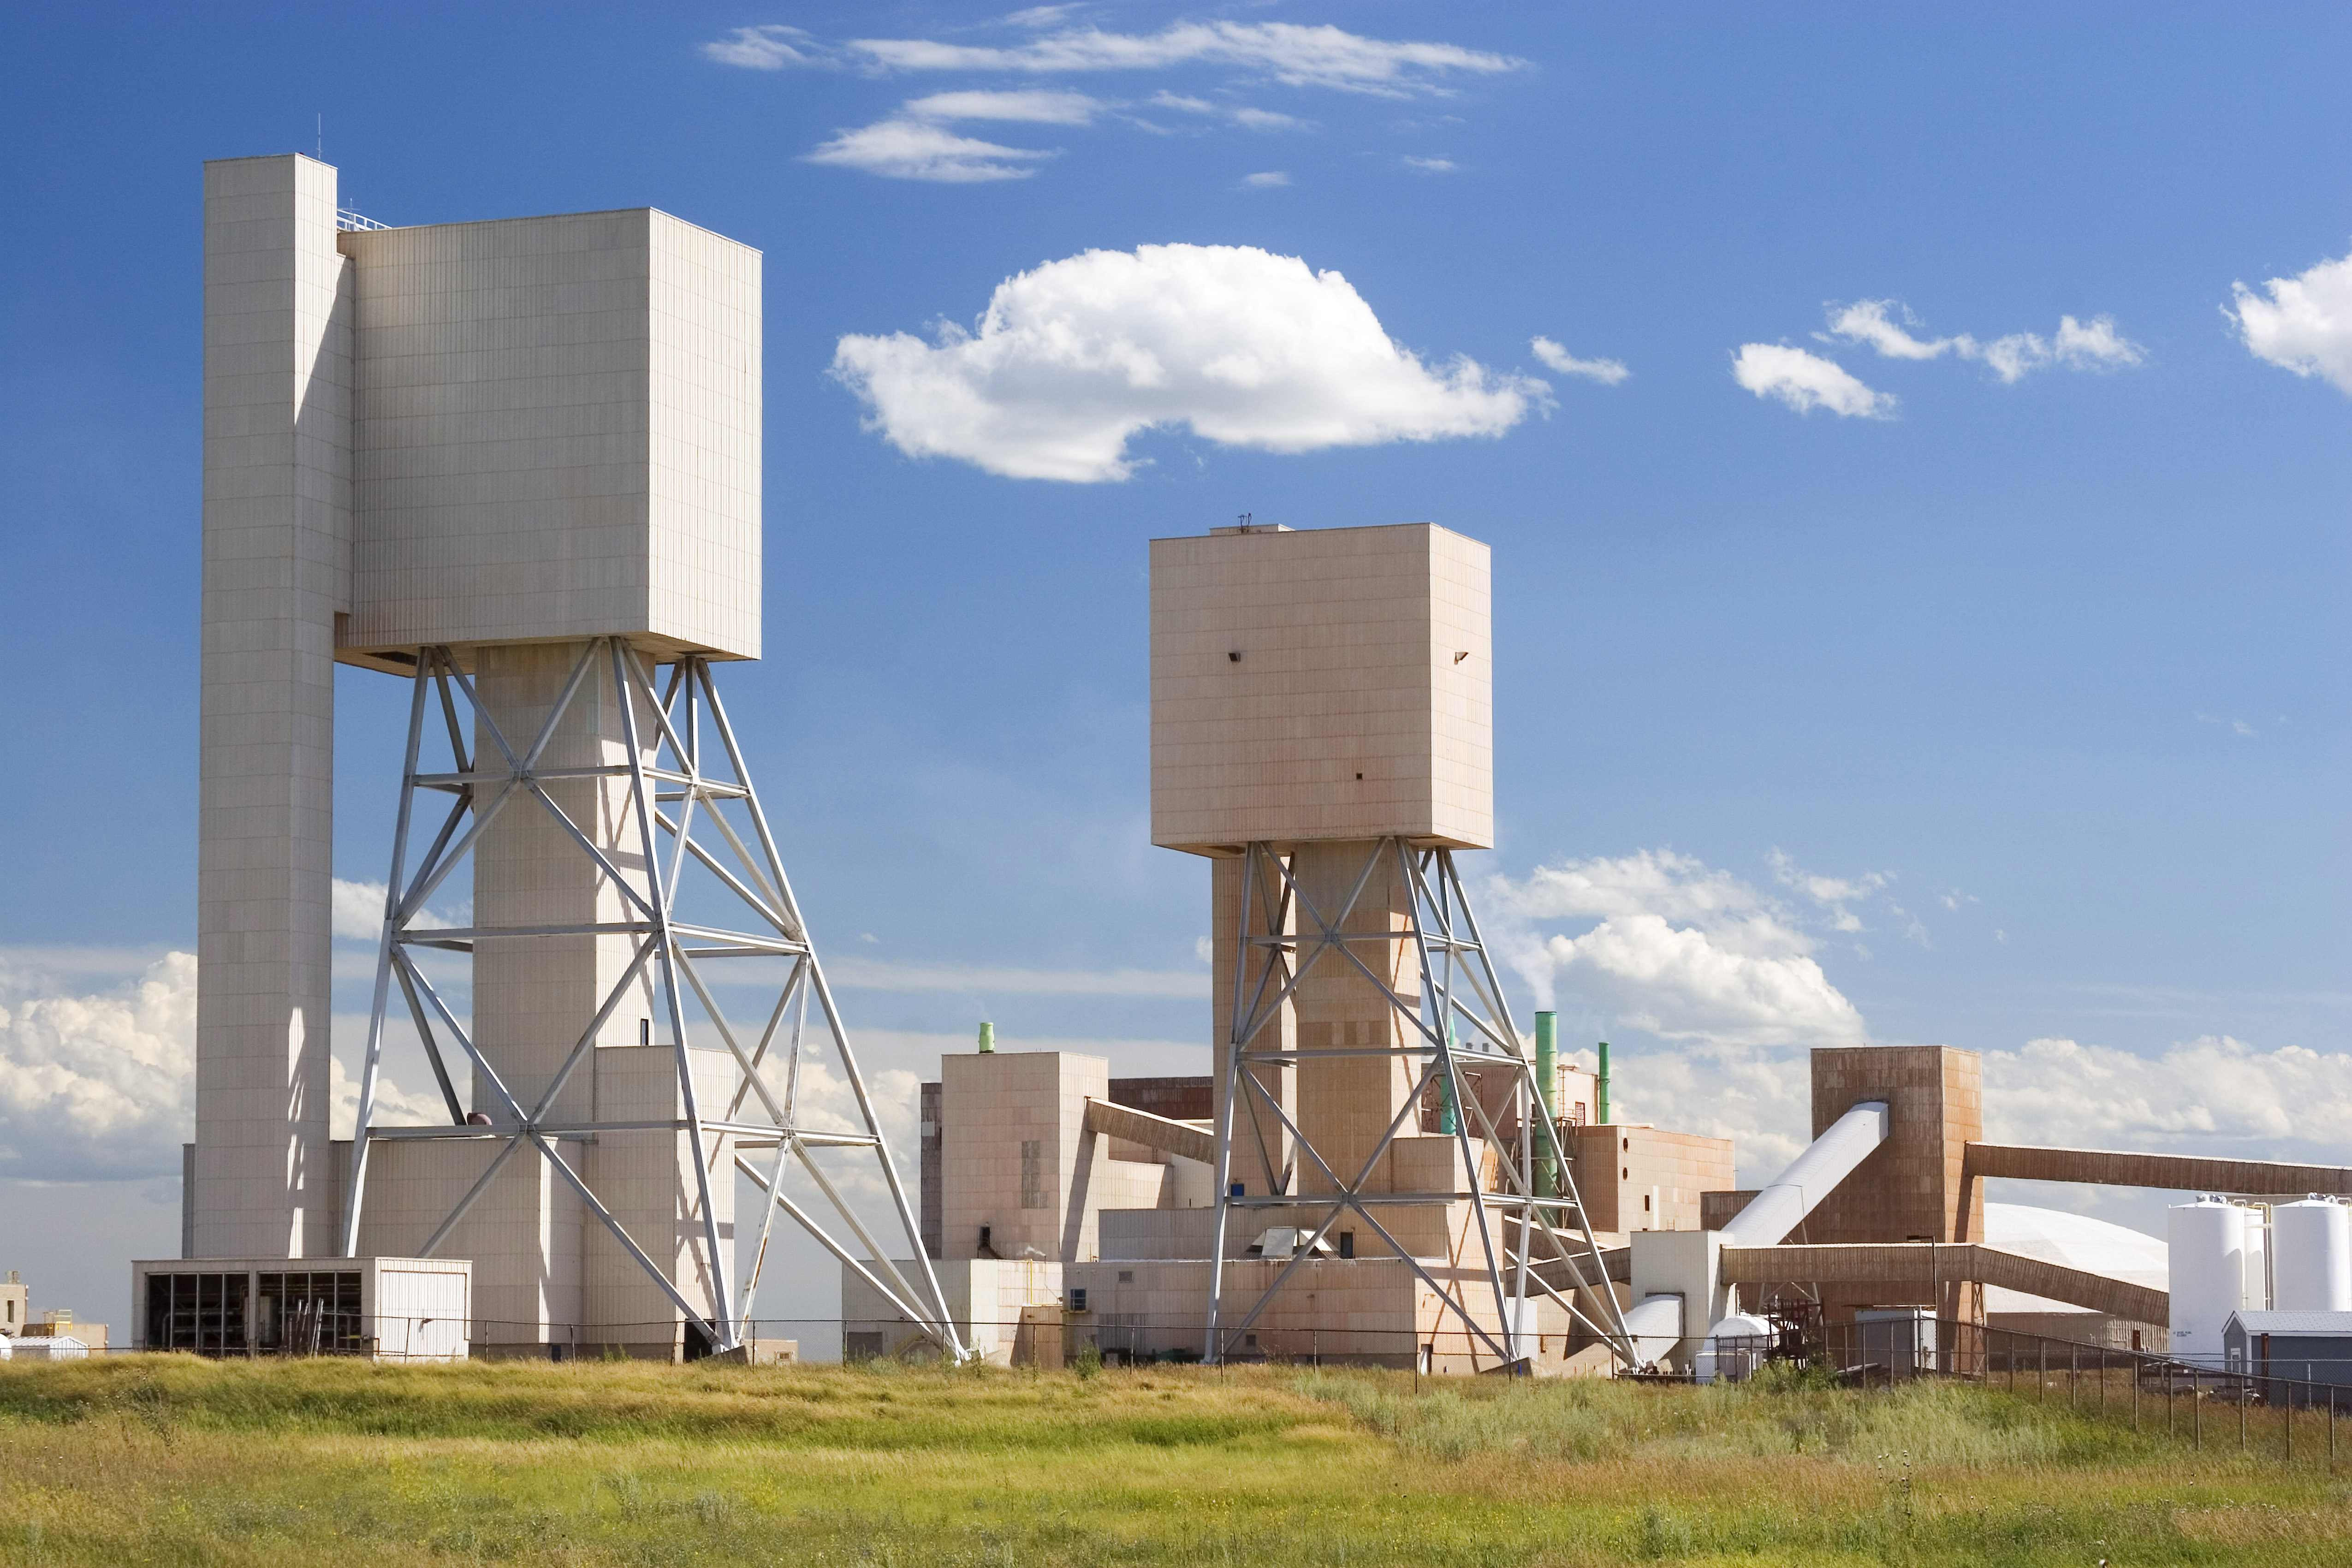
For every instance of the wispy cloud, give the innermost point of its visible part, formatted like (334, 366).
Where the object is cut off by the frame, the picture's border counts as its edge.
(1607, 372)
(912, 144)
(1247, 116)
(918, 149)
(1869, 321)
(1833, 894)
(2076, 345)
(768, 48)
(1035, 107)
(1431, 166)
(1806, 382)
(2304, 323)
(1244, 347)
(1270, 179)
(873, 974)
(1325, 57)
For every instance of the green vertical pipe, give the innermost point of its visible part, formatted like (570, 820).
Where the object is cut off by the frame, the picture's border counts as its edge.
(987, 1039)
(1601, 1088)
(1546, 1077)
(1446, 1123)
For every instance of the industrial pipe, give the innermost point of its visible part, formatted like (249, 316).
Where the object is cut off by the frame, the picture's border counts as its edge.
(1600, 1089)
(988, 1039)
(1811, 1176)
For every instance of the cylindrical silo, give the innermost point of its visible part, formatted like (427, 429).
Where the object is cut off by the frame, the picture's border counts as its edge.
(2206, 1246)
(2311, 1257)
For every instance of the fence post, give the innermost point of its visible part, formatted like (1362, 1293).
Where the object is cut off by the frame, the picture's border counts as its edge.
(2042, 1381)
(2290, 1427)
(2241, 1416)
(2073, 1375)
(2197, 1410)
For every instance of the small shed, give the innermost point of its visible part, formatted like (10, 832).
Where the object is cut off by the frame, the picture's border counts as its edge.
(2299, 1357)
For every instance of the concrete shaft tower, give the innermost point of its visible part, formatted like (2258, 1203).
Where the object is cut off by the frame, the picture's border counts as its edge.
(1322, 729)
(516, 463)
(277, 573)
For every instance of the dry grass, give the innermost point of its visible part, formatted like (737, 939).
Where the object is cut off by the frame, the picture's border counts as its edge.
(170, 1460)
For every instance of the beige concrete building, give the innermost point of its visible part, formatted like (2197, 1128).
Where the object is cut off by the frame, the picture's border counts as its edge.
(1324, 684)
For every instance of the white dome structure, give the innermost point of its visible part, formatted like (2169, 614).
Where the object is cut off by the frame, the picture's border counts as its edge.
(2072, 1241)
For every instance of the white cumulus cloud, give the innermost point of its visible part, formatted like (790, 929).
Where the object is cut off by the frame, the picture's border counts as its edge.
(1681, 983)
(1806, 382)
(357, 911)
(920, 150)
(1607, 372)
(2305, 325)
(102, 1087)
(99, 1087)
(1244, 347)
(2210, 1095)
(1680, 950)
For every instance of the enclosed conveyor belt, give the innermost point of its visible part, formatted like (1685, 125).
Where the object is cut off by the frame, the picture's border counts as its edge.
(1179, 1138)
(1928, 1265)
(2179, 1173)
(1783, 1205)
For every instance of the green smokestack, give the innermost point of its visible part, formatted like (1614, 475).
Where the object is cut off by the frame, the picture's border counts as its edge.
(988, 1046)
(1447, 1122)
(1601, 1088)
(1547, 1076)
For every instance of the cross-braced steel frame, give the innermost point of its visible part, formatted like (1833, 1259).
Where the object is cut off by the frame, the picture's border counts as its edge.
(677, 790)
(1456, 1021)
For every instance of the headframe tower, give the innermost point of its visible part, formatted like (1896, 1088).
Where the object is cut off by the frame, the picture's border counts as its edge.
(516, 463)
(1322, 730)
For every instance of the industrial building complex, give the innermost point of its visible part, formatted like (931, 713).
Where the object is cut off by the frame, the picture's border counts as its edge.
(516, 466)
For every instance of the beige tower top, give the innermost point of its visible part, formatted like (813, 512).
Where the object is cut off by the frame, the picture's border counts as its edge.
(555, 430)
(1331, 683)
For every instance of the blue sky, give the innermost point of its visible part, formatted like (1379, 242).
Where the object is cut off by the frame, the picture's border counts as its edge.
(2004, 706)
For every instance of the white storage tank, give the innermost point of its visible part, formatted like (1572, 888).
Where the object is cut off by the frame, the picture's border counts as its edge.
(2311, 1257)
(1734, 1348)
(2206, 1256)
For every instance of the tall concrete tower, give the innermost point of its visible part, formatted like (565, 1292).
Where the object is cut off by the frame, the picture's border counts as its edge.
(277, 573)
(516, 464)
(1322, 730)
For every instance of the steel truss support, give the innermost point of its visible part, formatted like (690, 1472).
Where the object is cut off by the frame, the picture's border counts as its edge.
(1456, 1021)
(676, 795)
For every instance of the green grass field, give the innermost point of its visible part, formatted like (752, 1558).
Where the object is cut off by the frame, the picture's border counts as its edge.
(173, 1461)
